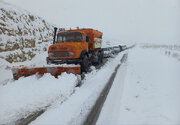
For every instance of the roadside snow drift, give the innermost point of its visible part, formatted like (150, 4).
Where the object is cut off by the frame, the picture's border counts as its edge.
(27, 95)
(150, 95)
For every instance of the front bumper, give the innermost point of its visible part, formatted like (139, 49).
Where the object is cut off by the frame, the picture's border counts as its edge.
(63, 61)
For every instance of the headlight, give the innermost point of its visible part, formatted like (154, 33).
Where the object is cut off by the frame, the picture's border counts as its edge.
(71, 54)
(50, 54)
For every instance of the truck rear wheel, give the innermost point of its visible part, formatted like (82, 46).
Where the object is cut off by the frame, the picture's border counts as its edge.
(85, 64)
(100, 57)
(14, 77)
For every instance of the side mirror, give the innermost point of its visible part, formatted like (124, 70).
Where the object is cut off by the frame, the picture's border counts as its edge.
(87, 39)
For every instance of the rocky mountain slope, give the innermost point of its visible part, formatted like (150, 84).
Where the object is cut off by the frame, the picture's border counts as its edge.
(22, 34)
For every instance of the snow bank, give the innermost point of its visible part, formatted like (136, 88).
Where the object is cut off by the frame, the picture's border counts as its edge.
(76, 108)
(27, 95)
(6, 74)
(151, 91)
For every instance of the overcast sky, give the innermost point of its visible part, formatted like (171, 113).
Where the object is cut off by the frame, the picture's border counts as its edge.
(127, 20)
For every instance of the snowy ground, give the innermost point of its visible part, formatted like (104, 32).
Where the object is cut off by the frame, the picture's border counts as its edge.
(29, 95)
(76, 108)
(147, 90)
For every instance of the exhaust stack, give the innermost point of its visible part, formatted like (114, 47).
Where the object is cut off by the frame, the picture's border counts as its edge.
(55, 31)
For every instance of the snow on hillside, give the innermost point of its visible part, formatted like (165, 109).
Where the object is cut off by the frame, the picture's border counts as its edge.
(149, 95)
(22, 34)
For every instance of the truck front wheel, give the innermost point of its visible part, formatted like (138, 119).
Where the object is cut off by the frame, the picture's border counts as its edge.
(85, 64)
(48, 61)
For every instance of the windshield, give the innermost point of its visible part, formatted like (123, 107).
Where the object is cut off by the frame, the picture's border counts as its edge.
(69, 37)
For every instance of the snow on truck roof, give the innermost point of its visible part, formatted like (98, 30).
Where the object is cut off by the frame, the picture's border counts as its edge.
(84, 30)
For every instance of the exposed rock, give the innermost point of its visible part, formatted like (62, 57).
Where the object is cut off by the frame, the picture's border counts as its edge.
(22, 34)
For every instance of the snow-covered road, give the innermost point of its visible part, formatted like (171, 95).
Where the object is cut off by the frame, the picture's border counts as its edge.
(111, 105)
(146, 90)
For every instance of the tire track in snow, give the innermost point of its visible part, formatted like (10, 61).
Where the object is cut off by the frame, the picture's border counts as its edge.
(94, 114)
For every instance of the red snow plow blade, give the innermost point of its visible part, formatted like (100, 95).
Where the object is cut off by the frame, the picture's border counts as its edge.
(55, 71)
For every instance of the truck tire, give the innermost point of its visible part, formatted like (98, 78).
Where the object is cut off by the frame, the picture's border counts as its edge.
(48, 61)
(14, 77)
(85, 64)
(120, 47)
(100, 57)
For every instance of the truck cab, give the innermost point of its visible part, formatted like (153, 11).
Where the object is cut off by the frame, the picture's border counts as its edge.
(79, 46)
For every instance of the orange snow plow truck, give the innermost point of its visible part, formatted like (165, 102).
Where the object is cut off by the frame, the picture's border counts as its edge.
(79, 46)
